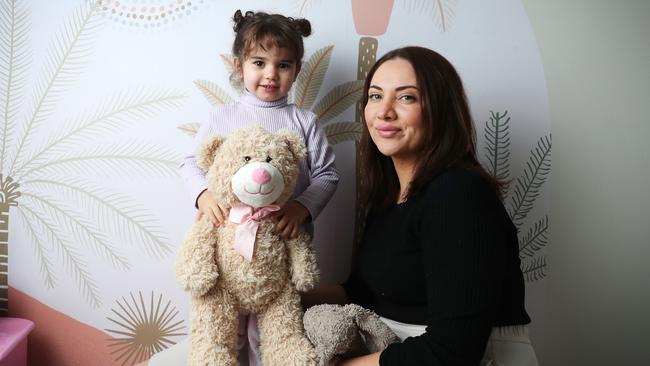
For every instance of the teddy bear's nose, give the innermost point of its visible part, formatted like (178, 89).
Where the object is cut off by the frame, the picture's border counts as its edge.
(261, 176)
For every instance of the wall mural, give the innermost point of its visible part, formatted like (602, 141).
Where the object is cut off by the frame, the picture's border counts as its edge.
(98, 97)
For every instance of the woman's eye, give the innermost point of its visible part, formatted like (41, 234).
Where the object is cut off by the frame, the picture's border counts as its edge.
(268, 159)
(374, 97)
(408, 98)
(247, 159)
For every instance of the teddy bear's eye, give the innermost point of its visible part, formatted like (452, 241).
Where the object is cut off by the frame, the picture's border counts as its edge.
(247, 159)
(268, 159)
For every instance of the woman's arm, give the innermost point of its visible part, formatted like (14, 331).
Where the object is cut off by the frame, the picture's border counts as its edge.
(367, 360)
(324, 294)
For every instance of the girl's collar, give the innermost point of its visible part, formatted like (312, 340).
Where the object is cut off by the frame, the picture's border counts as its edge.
(250, 99)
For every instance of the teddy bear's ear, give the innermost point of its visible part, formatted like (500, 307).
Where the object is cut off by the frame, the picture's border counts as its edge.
(377, 335)
(206, 152)
(294, 143)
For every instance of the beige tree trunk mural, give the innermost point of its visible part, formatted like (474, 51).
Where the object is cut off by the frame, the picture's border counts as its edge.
(8, 195)
(370, 19)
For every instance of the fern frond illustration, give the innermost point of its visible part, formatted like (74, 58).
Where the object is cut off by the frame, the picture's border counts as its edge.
(534, 269)
(190, 129)
(441, 11)
(302, 5)
(14, 61)
(310, 78)
(215, 95)
(535, 239)
(338, 100)
(143, 329)
(497, 148)
(343, 131)
(527, 186)
(45, 165)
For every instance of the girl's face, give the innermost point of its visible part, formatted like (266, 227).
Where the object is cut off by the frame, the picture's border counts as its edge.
(394, 111)
(268, 73)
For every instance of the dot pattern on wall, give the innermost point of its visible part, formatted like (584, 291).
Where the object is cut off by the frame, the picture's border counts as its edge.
(148, 14)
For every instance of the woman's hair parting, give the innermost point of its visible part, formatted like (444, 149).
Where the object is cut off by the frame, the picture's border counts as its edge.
(268, 30)
(449, 136)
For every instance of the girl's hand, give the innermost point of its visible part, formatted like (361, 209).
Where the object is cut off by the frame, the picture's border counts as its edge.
(290, 218)
(210, 207)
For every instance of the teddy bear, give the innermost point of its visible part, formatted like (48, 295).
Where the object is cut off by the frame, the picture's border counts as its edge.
(242, 266)
(339, 332)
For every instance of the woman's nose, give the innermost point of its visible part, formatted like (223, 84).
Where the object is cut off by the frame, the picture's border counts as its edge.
(386, 111)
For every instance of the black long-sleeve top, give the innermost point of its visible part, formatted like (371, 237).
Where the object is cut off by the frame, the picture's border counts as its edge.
(447, 258)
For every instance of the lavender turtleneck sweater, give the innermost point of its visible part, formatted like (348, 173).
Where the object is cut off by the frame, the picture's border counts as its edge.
(318, 176)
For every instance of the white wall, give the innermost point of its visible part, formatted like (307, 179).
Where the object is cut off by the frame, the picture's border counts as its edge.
(596, 57)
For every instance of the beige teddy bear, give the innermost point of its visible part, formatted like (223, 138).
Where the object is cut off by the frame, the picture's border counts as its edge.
(242, 267)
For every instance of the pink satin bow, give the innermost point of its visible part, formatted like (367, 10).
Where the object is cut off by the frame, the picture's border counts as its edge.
(248, 219)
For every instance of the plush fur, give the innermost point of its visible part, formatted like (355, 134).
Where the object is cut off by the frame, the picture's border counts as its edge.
(224, 284)
(345, 331)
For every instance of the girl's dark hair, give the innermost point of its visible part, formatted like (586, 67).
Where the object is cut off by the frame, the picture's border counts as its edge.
(449, 137)
(267, 30)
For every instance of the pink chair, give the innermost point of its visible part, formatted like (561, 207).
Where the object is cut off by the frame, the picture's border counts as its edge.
(13, 341)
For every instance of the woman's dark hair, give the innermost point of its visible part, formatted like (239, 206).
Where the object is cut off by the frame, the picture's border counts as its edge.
(268, 30)
(449, 137)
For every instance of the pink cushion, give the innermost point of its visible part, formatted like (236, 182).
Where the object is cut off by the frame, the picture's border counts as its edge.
(12, 332)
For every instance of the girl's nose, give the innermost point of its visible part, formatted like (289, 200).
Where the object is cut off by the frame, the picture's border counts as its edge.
(271, 73)
(260, 176)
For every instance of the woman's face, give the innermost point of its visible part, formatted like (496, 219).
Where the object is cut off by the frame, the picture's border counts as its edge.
(394, 111)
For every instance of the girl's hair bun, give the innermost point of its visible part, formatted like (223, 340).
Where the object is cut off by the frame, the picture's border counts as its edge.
(240, 19)
(302, 26)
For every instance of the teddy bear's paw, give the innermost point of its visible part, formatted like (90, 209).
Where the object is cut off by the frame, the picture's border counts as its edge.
(212, 356)
(198, 284)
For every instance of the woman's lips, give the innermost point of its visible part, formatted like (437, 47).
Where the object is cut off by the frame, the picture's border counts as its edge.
(387, 131)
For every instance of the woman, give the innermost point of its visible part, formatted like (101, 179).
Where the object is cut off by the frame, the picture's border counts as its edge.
(439, 258)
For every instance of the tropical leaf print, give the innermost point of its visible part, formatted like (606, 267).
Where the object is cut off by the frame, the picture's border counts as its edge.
(497, 146)
(60, 210)
(440, 11)
(534, 269)
(14, 62)
(310, 78)
(535, 239)
(338, 100)
(63, 64)
(213, 92)
(527, 187)
(343, 131)
(190, 129)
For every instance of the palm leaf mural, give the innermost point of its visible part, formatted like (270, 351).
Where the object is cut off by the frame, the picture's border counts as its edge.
(143, 328)
(527, 187)
(311, 77)
(14, 61)
(525, 192)
(343, 131)
(338, 100)
(213, 93)
(497, 148)
(302, 5)
(441, 11)
(190, 129)
(60, 209)
(534, 269)
(535, 239)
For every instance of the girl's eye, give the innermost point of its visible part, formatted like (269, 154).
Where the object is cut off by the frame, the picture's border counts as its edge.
(284, 66)
(258, 63)
(247, 159)
(268, 159)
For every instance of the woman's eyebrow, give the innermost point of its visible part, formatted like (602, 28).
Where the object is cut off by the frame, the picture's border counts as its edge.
(399, 88)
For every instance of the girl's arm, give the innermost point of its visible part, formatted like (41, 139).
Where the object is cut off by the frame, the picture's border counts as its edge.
(367, 360)
(320, 162)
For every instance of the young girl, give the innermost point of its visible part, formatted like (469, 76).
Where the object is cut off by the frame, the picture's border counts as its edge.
(268, 50)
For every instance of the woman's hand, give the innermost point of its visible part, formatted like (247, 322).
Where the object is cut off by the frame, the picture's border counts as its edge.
(216, 212)
(290, 218)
